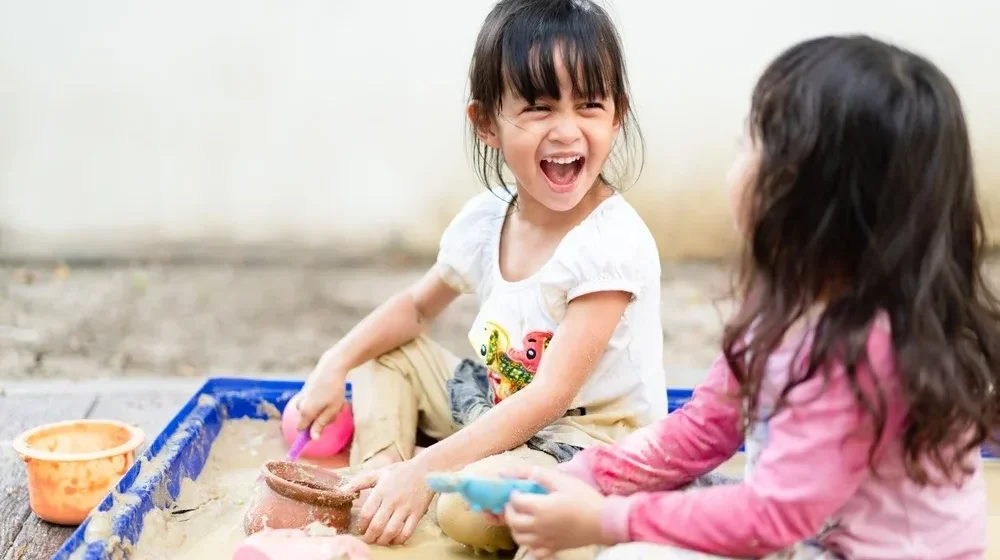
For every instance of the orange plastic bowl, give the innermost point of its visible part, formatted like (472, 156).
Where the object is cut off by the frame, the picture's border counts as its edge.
(72, 465)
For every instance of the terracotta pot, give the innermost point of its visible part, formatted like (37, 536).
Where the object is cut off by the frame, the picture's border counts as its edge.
(291, 496)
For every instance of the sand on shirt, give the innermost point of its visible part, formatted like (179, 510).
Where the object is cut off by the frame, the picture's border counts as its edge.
(217, 500)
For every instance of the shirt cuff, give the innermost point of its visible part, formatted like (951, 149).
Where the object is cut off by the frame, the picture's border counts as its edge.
(614, 519)
(450, 276)
(578, 467)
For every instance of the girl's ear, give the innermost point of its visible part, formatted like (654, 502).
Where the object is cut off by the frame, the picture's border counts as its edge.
(483, 124)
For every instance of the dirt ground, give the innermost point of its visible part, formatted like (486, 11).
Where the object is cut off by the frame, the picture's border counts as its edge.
(101, 322)
(58, 322)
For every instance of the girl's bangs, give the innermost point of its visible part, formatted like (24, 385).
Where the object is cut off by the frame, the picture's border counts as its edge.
(530, 54)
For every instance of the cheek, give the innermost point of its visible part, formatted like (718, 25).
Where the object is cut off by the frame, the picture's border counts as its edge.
(601, 136)
(519, 149)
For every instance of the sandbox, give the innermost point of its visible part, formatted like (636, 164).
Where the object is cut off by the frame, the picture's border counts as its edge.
(185, 497)
(206, 521)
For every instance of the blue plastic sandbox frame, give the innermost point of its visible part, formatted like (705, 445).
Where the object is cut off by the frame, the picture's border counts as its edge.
(180, 452)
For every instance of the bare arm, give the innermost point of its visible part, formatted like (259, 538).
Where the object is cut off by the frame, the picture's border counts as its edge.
(402, 318)
(569, 360)
(397, 321)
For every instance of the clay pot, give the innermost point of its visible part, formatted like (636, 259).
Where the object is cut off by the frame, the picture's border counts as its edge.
(291, 496)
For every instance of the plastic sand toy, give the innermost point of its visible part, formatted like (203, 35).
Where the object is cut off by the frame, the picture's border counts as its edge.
(300, 545)
(298, 446)
(332, 440)
(72, 465)
(483, 494)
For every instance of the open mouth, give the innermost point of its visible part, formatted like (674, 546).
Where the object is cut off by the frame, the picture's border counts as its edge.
(562, 172)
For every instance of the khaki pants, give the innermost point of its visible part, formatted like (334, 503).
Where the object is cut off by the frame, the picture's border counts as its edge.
(405, 390)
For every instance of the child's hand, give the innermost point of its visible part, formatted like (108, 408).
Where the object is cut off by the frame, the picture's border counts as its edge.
(398, 501)
(321, 398)
(493, 519)
(569, 516)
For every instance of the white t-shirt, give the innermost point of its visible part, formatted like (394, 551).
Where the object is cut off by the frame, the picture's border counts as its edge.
(612, 249)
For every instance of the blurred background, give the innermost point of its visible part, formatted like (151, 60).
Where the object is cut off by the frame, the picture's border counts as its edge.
(192, 189)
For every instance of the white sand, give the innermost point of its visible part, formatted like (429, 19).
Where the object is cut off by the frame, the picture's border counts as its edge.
(214, 529)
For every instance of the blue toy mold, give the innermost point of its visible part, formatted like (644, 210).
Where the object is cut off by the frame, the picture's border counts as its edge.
(483, 494)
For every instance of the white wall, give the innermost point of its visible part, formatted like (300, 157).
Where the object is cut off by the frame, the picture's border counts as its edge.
(340, 123)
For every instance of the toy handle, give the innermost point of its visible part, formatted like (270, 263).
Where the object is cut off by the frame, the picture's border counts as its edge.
(299, 445)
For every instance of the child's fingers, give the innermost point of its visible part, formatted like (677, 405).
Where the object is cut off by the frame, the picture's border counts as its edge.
(408, 529)
(493, 519)
(368, 510)
(522, 472)
(308, 411)
(314, 413)
(508, 510)
(519, 522)
(363, 481)
(324, 417)
(522, 503)
(551, 479)
(523, 539)
(392, 529)
(378, 522)
(541, 553)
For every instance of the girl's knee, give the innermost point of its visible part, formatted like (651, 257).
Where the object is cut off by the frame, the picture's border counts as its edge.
(465, 526)
(472, 529)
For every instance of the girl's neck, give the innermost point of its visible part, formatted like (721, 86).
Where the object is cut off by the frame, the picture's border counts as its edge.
(531, 212)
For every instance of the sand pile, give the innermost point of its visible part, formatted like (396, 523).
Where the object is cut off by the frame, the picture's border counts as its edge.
(206, 522)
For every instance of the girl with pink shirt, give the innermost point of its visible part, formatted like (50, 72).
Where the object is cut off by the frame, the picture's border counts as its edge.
(860, 369)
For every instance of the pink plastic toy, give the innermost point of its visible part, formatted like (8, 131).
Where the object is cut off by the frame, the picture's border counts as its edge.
(332, 440)
(281, 544)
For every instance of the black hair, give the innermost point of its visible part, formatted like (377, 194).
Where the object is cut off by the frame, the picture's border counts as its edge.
(865, 202)
(516, 49)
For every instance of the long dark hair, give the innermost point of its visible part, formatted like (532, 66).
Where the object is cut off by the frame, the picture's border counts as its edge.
(516, 49)
(865, 202)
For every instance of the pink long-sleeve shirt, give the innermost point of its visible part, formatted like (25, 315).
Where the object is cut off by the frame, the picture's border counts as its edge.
(807, 474)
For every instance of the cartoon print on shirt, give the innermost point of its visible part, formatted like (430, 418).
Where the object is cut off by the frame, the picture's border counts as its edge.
(497, 343)
(534, 344)
(511, 369)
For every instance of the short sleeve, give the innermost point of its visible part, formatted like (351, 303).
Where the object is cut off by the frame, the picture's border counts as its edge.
(612, 250)
(468, 241)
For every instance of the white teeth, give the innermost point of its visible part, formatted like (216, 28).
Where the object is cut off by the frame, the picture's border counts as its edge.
(563, 160)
